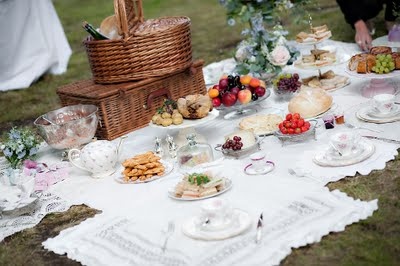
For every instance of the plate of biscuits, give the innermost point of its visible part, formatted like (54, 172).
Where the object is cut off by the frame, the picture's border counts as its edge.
(143, 168)
(318, 34)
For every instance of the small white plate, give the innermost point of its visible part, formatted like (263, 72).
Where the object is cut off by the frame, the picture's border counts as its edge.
(168, 169)
(324, 158)
(375, 113)
(269, 166)
(228, 185)
(190, 122)
(241, 223)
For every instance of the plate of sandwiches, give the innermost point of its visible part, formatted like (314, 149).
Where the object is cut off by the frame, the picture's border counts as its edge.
(361, 65)
(328, 81)
(317, 35)
(318, 58)
(200, 185)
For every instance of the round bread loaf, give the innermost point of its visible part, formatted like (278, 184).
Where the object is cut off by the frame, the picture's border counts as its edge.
(310, 102)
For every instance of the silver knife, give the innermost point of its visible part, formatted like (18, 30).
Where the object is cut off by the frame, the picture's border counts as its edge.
(383, 139)
(259, 228)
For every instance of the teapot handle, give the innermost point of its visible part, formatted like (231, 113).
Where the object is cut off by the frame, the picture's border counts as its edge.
(73, 155)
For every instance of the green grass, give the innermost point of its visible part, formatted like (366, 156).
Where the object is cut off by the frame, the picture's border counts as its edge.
(374, 241)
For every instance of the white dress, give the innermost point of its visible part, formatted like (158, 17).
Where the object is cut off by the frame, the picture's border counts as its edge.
(32, 42)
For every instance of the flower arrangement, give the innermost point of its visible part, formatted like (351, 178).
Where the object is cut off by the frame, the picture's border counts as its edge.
(19, 145)
(264, 49)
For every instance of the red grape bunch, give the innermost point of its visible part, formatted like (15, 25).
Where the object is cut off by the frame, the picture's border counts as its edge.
(235, 144)
(287, 82)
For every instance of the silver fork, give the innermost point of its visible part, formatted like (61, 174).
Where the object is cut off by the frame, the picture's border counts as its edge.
(170, 231)
(354, 127)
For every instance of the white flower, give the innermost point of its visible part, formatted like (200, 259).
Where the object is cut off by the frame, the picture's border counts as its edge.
(241, 53)
(2, 147)
(264, 49)
(231, 22)
(281, 41)
(279, 56)
(252, 59)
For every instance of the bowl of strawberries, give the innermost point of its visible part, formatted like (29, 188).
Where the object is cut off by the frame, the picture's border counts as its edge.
(296, 129)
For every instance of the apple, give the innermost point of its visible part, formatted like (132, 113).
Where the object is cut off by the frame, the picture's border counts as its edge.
(223, 84)
(260, 91)
(216, 86)
(244, 96)
(228, 99)
(235, 90)
(216, 102)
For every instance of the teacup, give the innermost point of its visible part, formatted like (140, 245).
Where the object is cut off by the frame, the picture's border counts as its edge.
(216, 214)
(345, 141)
(384, 103)
(258, 161)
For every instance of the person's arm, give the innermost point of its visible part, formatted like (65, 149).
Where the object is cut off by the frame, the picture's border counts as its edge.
(351, 10)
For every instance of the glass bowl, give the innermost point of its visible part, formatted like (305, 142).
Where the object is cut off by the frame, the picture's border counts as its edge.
(69, 126)
(243, 152)
(296, 138)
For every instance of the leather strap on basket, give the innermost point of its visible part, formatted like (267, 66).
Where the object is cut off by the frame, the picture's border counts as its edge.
(129, 15)
(155, 94)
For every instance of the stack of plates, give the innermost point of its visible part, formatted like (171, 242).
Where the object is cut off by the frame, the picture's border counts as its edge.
(371, 114)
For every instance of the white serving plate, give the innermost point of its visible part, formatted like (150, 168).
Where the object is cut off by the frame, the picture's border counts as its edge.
(228, 186)
(168, 169)
(190, 122)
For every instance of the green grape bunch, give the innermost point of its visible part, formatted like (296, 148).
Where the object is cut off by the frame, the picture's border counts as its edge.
(383, 64)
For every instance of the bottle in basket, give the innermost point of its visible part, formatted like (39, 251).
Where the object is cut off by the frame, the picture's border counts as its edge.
(92, 31)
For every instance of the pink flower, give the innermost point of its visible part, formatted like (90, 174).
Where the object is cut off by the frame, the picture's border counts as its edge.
(30, 164)
(280, 55)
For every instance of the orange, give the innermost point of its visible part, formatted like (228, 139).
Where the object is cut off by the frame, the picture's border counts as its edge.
(245, 80)
(254, 82)
(213, 93)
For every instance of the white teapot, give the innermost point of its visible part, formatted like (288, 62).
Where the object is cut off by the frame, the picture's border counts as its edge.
(99, 157)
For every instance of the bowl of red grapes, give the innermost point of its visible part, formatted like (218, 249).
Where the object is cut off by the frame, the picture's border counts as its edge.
(237, 147)
(286, 85)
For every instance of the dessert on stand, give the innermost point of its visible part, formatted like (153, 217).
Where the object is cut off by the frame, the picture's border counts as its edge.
(320, 58)
(378, 66)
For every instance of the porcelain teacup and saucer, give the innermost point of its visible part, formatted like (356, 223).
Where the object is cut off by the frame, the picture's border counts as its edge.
(216, 220)
(383, 106)
(344, 145)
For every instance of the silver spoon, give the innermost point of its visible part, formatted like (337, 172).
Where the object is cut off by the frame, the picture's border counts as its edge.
(354, 127)
(303, 174)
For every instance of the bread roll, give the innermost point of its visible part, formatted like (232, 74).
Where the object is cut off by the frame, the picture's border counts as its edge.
(310, 102)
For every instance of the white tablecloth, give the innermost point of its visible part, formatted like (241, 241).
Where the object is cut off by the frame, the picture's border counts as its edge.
(297, 210)
(32, 42)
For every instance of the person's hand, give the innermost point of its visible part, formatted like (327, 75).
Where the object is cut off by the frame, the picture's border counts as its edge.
(362, 38)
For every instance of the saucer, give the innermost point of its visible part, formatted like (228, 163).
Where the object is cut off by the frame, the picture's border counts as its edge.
(355, 151)
(375, 113)
(364, 150)
(269, 166)
(363, 114)
(240, 223)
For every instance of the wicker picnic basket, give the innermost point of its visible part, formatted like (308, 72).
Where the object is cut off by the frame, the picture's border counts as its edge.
(124, 107)
(151, 48)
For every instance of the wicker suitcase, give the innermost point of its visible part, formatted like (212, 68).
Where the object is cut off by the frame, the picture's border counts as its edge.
(125, 107)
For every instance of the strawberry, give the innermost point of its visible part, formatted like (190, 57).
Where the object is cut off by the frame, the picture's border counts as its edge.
(296, 116)
(300, 123)
(303, 129)
(288, 117)
(297, 130)
(307, 124)
(290, 131)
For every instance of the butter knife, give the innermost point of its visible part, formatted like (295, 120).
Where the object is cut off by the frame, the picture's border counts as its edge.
(259, 228)
(383, 139)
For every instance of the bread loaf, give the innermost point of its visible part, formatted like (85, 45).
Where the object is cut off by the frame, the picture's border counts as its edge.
(380, 50)
(310, 102)
(109, 28)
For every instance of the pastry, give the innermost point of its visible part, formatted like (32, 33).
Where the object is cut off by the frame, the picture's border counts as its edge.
(310, 102)
(380, 50)
(261, 124)
(194, 106)
(396, 60)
